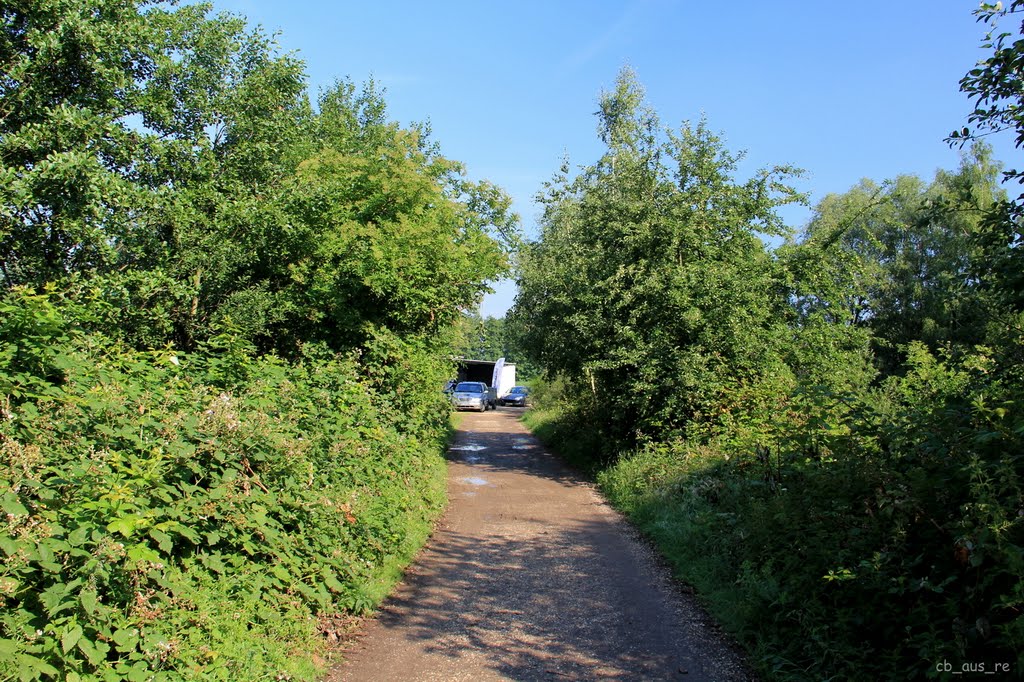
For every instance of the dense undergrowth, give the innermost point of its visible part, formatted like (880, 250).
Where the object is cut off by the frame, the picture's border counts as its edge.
(196, 515)
(889, 549)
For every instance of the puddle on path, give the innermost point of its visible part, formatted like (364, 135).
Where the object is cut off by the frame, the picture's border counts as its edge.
(472, 459)
(472, 480)
(468, 447)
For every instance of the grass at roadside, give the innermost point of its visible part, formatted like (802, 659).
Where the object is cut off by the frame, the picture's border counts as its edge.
(560, 428)
(790, 562)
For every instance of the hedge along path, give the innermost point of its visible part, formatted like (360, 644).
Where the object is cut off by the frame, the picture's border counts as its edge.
(531, 575)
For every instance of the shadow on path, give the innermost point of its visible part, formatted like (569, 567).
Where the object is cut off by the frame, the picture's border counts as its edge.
(530, 576)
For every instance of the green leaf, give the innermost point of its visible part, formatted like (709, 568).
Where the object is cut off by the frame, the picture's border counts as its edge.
(70, 638)
(214, 563)
(139, 673)
(53, 595)
(11, 505)
(332, 581)
(125, 525)
(143, 553)
(89, 600)
(61, 607)
(179, 528)
(163, 540)
(91, 651)
(32, 668)
(304, 589)
(8, 647)
(79, 536)
(9, 545)
(126, 639)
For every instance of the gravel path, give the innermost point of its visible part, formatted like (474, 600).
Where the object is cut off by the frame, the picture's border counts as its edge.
(532, 576)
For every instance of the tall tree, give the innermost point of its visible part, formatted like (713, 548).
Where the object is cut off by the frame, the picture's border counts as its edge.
(897, 259)
(387, 232)
(109, 108)
(167, 162)
(137, 142)
(650, 281)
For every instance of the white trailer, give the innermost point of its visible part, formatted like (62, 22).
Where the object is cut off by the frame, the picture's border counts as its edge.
(503, 378)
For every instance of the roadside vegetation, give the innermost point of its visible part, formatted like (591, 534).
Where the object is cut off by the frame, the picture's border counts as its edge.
(226, 312)
(227, 309)
(823, 437)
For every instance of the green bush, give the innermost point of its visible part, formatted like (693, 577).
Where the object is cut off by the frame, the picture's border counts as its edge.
(221, 423)
(872, 538)
(823, 437)
(183, 516)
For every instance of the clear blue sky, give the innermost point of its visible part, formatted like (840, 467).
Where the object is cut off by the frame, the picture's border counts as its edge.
(844, 90)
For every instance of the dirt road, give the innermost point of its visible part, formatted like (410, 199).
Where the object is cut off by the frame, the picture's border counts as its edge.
(531, 576)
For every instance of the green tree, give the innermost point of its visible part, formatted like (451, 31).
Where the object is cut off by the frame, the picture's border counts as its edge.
(138, 142)
(169, 164)
(995, 83)
(483, 338)
(996, 86)
(897, 259)
(650, 282)
(386, 231)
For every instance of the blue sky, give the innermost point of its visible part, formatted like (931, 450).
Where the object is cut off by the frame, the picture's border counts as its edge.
(844, 90)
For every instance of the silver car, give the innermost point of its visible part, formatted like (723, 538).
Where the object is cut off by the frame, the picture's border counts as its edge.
(471, 395)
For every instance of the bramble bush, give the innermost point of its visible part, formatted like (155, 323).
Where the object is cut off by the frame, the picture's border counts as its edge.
(183, 516)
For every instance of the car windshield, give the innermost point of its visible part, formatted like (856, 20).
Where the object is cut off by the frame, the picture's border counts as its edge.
(518, 389)
(469, 387)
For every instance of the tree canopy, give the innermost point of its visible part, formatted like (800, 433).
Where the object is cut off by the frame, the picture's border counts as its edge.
(650, 278)
(171, 158)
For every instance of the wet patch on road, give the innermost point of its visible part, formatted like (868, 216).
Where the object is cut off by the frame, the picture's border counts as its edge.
(468, 447)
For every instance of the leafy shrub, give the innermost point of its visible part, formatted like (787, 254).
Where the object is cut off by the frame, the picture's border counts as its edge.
(192, 515)
(169, 185)
(824, 437)
(888, 542)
